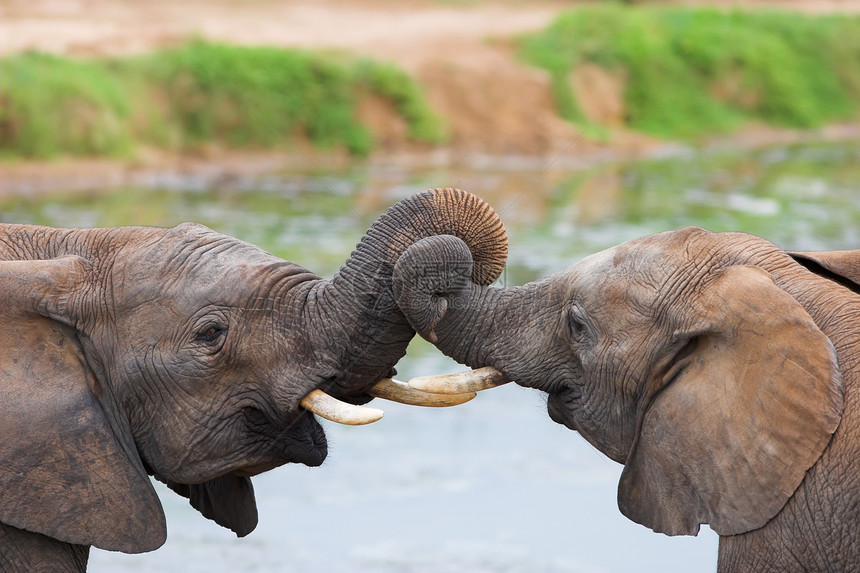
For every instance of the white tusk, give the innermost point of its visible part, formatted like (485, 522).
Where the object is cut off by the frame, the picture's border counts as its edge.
(461, 382)
(333, 409)
(397, 391)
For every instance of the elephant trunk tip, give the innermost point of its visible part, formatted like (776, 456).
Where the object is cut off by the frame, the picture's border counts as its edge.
(426, 275)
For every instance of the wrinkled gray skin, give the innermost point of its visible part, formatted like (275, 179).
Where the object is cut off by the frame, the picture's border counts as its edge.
(180, 353)
(715, 367)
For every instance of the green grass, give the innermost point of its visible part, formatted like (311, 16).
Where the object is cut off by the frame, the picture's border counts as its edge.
(690, 72)
(51, 106)
(199, 94)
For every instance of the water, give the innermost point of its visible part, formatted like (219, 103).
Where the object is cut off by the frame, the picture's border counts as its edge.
(493, 486)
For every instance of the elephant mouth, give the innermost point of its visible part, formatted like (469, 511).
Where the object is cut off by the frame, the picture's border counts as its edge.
(305, 442)
(302, 442)
(558, 411)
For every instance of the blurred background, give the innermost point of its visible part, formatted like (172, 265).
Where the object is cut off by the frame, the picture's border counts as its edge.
(294, 125)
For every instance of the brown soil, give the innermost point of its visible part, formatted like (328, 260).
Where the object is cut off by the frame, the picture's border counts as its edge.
(460, 52)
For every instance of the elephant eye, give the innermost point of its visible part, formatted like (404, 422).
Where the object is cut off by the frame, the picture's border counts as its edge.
(210, 333)
(577, 329)
(576, 323)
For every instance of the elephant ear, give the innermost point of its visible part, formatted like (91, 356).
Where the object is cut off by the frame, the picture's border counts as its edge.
(841, 266)
(227, 500)
(69, 468)
(743, 413)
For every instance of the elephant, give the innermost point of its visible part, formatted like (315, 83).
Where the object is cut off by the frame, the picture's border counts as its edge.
(722, 371)
(193, 357)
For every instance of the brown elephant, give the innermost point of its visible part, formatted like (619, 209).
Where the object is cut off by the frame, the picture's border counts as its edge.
(190, 356)
(722, 371)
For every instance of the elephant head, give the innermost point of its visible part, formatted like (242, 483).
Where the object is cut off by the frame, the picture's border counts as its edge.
(189, 355)
(703, 362)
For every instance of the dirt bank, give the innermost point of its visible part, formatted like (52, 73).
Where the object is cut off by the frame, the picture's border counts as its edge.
(462, 54)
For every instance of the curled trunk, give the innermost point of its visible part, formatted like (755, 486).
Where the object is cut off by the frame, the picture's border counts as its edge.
(363, 331)
(477, 325)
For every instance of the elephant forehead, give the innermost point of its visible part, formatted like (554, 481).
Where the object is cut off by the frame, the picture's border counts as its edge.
(628, 265)
(223, 270)
(637, 276)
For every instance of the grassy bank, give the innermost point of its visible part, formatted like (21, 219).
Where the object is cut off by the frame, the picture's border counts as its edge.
(688, 72)
(668, 72)
(197, 95)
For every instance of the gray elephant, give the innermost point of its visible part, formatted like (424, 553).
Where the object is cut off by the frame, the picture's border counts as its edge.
(190, 356)
(722, 371)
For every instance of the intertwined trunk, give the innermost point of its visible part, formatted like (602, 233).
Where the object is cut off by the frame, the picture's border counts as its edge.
(362, 330)
(474, 324)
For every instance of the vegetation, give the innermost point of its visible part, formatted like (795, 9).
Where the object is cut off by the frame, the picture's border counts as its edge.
(50, 106)
(693, 71)
(198, 94)
(685, 72)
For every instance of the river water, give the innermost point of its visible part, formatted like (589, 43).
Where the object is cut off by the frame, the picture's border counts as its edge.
(492, 486)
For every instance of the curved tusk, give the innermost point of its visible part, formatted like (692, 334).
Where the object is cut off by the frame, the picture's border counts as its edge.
(461, 382)
(397, 391)
(333, 409)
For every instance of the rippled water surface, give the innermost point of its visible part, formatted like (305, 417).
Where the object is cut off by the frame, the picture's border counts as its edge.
(493, 486)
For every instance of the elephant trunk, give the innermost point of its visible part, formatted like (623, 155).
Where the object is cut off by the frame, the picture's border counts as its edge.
(475, 324)
(360, 314)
